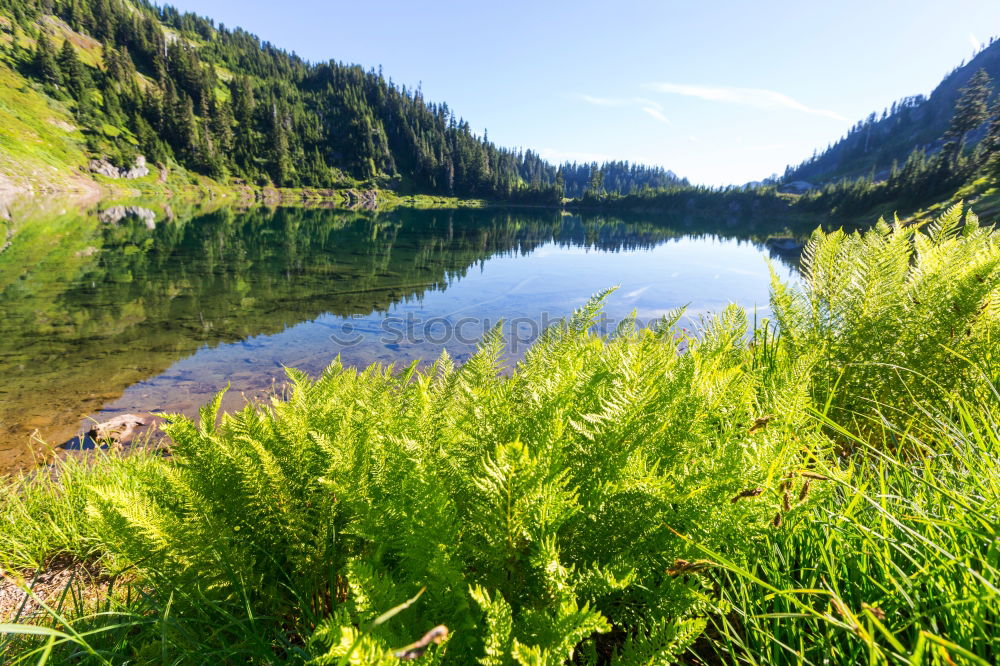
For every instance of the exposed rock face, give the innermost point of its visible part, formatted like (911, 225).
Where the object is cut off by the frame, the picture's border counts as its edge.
(138, 170)
(116, 214)
(106, 168)
(366, 199)
(63, 125)
(796, 187)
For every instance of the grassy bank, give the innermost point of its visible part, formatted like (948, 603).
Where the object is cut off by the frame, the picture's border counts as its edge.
(829, 494)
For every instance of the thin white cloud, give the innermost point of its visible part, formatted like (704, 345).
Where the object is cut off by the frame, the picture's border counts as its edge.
(601, 101)
(755, 97)
(652, 107)
(976, 44)
(656, 113)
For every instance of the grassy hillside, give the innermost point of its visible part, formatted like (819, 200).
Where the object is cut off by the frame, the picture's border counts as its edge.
(43, 150)
(40, 147)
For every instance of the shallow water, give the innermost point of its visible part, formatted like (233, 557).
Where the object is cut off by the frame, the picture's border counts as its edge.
(106, 316)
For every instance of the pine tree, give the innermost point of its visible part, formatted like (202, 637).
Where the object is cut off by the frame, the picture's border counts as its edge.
(596, 184)
(991, 143)
(73, 71)
(112, 68)
(222, 126)
(45, 61)
(105, 20)
(281, 159)
(971, 110)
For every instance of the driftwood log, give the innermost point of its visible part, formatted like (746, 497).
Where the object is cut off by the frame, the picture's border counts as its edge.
(118, 430)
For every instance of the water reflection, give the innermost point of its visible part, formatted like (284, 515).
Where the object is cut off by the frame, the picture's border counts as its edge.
(118, 310)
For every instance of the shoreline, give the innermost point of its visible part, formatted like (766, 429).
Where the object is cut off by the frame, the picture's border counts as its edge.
(20, 184)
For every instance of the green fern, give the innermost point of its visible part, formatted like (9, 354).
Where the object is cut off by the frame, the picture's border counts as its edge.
(566, 488)
(887, 315)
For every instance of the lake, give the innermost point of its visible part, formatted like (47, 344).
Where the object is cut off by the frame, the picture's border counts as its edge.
(135, 310)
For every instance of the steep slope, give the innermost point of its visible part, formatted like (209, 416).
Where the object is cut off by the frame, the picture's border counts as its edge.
(917, 122)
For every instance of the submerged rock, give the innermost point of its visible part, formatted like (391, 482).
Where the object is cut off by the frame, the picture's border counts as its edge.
(785, 248)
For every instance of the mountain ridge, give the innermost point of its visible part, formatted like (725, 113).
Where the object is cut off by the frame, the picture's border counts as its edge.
(917, 122)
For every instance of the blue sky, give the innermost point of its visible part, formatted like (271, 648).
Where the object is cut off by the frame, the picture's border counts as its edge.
(721, 92)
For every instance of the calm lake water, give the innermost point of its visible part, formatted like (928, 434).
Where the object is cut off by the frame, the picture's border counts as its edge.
(106, 314)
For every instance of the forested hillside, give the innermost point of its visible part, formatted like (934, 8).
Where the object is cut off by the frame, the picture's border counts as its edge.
(917, 123)
(953, 144)
(177, 88)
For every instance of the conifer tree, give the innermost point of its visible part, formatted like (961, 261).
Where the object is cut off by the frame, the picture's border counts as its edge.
(971, 110)
(73, 71)
(991, 142)
(45, 61)
(281, 160)
(222, 125)
(105, 20)
(596, 184)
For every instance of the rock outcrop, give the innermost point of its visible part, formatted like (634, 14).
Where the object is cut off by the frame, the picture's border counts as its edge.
(365, 199)
(106, 168)
(796, 187)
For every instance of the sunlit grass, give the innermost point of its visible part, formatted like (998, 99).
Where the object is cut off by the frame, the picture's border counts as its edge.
(900, 566)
